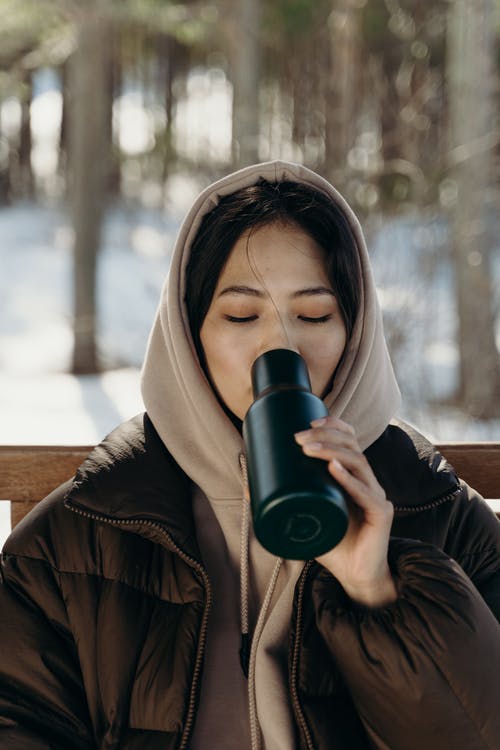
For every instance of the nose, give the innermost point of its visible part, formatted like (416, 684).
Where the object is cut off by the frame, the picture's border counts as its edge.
(278, 335)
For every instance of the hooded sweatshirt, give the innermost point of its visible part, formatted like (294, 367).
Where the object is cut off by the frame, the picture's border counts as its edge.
(190, 421)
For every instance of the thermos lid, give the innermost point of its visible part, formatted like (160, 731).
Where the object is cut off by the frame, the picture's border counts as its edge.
(277, 369)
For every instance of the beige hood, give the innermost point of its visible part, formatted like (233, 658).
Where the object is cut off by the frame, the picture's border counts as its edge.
(177, 395)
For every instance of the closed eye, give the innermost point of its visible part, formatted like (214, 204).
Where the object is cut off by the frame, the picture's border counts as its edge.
(235, 319)
(321, 319)
(303, 318)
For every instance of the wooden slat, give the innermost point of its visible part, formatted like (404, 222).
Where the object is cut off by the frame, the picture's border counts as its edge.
(29, 473)
(478, 464)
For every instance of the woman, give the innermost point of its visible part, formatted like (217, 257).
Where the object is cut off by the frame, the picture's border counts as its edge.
(130, 593)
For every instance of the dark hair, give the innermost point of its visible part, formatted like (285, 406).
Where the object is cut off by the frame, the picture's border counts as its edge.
(258, 205)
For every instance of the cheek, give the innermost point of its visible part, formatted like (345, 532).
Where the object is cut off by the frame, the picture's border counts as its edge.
(222, 350)
(214, 353)
(226, 358)
(322, 360)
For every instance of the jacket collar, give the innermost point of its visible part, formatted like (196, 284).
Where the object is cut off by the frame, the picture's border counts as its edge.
(131, 476)
(409, 468)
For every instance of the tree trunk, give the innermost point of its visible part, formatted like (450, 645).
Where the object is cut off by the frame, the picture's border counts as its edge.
(63, 155)
(89, 139)
(470, 54)
(246, 82)
(25, 170)
(342, 88)
(113, 80)
(167, 51)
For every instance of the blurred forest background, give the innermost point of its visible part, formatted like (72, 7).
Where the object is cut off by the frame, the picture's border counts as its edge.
(107, 103)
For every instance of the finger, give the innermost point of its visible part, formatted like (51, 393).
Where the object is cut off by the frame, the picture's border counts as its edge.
(346, 466)
(353, 460)
(335, 423)
(370, 498)
(327, 436)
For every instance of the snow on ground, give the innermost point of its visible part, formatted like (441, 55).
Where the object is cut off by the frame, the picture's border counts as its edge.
(40, 403)
(48, 409)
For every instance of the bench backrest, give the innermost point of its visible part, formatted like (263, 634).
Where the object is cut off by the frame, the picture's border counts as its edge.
(29, 473)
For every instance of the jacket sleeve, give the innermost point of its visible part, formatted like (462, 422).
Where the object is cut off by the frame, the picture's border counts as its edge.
(42, 701)
(424, 672)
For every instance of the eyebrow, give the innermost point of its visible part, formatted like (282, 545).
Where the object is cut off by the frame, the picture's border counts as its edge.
(252, 292)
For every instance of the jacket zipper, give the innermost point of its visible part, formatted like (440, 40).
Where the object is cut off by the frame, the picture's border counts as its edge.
(429, 506)
(208, 603)
(299, 714)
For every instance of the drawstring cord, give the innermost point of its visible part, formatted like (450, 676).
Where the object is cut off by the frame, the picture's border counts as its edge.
(245, 629)
(248, 650)
(254, 723)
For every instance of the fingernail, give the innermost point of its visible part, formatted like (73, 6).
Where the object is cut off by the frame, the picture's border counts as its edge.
(318, 422)
(301, 435)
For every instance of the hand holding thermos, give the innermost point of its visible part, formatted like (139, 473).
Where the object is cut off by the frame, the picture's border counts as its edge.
(298, 507)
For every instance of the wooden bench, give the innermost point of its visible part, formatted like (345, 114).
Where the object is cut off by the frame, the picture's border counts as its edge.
(29, 473)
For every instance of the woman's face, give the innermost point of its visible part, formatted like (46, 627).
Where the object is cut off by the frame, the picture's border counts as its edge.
(272, 293)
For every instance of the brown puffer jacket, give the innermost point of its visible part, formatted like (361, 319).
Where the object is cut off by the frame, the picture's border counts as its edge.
(105, 601)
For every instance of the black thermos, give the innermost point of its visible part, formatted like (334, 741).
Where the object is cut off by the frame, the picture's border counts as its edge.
(298, 509)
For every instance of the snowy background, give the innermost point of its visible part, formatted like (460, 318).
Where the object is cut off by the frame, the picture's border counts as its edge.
(40, 403)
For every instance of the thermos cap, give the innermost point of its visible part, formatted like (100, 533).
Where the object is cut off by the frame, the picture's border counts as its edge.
(279, 368)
